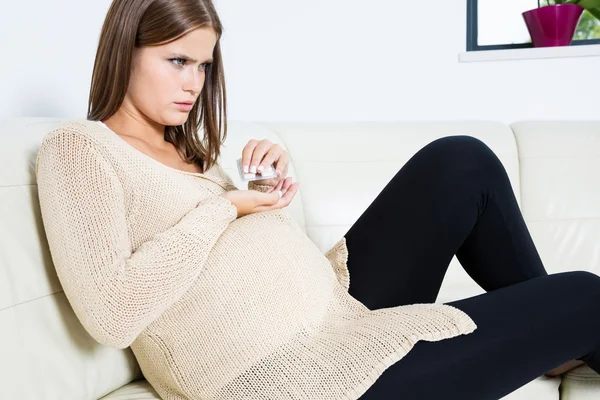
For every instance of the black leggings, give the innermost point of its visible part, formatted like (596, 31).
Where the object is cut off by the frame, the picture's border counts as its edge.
(454, 197)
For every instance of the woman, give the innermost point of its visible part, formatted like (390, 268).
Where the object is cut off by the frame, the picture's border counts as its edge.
(221, 295)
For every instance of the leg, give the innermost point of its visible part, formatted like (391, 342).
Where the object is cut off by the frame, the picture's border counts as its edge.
(452, 197)
(523, 330)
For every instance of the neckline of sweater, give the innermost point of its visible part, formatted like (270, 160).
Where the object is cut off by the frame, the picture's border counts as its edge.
(201, 174)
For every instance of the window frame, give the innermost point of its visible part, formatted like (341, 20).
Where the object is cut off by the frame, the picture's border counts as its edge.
(473, 29)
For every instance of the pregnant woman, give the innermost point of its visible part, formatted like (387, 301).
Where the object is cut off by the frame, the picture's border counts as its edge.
(222, 296)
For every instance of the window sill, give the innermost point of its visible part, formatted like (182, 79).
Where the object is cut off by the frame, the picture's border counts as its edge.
(590, 50)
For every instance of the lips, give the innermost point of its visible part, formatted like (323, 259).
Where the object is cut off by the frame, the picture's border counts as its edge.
(189, 103)
(185, 106)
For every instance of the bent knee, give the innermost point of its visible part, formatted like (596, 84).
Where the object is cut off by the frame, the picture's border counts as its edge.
(464, 144)
(464, 153)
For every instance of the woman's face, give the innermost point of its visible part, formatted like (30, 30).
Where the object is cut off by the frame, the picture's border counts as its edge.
(173, 73)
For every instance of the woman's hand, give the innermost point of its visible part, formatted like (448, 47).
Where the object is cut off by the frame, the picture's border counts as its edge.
(252, 201)
(258, 155)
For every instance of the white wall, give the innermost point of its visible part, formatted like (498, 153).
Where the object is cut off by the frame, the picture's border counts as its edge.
(312, 60)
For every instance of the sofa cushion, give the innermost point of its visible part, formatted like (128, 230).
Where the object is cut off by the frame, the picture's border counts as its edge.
(137, 390)
(581, 383)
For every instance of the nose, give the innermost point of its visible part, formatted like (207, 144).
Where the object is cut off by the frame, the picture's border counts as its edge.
(193, 81)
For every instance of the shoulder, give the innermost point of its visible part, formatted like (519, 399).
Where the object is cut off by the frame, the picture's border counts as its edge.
(83, 135)
(81, 128)
(74, 139)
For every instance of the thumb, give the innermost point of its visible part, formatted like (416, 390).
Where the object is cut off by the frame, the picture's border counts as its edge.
(273, 197)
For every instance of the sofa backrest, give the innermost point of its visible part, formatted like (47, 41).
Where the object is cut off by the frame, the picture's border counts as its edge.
(560, 180)
(45, 352)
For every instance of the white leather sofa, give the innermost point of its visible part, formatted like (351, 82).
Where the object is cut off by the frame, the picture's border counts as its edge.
(46, 354)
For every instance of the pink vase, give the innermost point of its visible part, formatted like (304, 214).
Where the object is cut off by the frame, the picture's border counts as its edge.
(553, 25)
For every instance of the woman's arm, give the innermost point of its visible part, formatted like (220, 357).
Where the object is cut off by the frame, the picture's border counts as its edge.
(115, 293)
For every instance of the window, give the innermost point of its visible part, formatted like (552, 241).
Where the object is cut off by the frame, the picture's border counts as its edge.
(499, 25)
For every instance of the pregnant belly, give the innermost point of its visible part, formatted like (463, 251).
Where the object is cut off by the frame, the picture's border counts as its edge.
(263, 282)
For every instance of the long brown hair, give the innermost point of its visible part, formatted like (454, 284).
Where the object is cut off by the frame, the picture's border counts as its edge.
(136, 23)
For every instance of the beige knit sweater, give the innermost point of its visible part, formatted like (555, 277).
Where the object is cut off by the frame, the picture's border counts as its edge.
(213, 306)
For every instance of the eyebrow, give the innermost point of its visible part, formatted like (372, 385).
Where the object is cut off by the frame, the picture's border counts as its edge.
(181, 55)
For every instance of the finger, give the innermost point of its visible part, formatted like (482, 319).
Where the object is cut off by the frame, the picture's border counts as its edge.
(277, 187)
(257, 155)
(247, 154)
(272, 157)
(291, 192)
(286, 199)
(285, 170)
(269, 202)
(273, 198)
(286, 184)
(282, 164)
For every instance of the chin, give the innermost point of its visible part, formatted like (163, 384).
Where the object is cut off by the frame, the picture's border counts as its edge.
(175, 121)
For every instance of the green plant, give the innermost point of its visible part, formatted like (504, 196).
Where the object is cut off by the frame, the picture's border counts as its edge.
(592, 6)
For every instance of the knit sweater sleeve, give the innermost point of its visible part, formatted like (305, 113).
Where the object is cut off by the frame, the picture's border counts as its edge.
(114, 292)
(220, 172)
(338, 257)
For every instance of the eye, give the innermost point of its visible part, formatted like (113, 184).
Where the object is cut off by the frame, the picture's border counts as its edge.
(178, 59)
(180, 62)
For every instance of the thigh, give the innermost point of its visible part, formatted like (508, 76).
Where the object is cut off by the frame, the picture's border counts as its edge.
(400, 247)
(523, 331)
